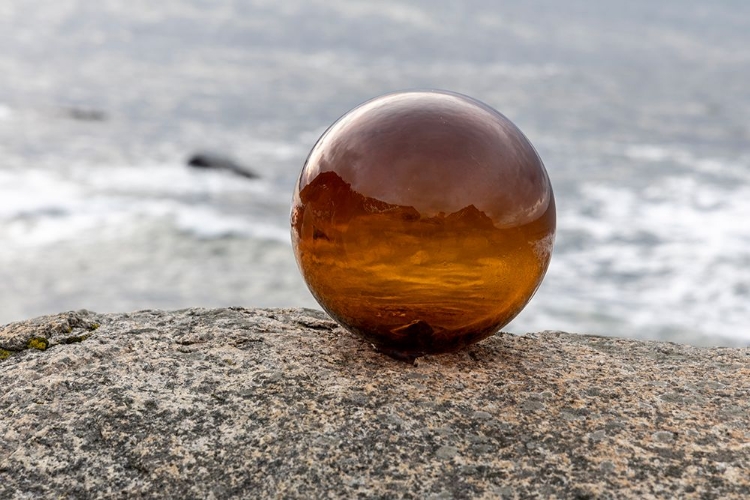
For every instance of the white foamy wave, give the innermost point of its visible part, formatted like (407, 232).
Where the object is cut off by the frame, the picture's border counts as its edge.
(277, 150)
(168, 179)
(41, 207)
(503, 70)
(5, 112)
(737, 168)
(670, 262)
(32, 192)
(393, 11)
(205, 222)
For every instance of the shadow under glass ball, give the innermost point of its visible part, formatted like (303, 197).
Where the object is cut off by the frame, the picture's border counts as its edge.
(423, 221)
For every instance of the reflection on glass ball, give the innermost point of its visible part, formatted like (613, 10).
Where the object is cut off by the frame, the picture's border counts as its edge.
(423, 221)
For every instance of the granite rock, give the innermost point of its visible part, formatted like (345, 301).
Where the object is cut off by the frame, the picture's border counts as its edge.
(219, 403)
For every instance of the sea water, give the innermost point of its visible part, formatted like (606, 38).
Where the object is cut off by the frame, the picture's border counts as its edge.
(639, 111)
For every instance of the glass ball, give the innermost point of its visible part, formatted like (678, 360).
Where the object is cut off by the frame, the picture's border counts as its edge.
(423, 221)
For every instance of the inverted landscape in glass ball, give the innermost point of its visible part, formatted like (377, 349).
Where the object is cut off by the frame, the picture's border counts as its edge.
(423, 221)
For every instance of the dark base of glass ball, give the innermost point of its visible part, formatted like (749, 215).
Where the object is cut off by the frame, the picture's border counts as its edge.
(418, 338)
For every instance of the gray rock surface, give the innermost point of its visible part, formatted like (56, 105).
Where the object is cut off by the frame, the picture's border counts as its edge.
(283, 403)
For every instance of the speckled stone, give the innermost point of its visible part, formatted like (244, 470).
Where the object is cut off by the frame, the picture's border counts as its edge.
(219, 403)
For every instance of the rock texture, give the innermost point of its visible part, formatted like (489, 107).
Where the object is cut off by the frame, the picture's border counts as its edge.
(282, 403)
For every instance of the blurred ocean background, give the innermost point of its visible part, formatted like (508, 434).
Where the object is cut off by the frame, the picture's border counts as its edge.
(640, 111)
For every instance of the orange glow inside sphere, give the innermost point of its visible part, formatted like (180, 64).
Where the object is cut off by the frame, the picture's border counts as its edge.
(423, 221)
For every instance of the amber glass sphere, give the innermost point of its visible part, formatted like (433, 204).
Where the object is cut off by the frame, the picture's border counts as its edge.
(423, 221)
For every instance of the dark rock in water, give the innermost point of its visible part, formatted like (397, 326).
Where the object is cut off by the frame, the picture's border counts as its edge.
(283, 403)
(218, 162)
(85, 114)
